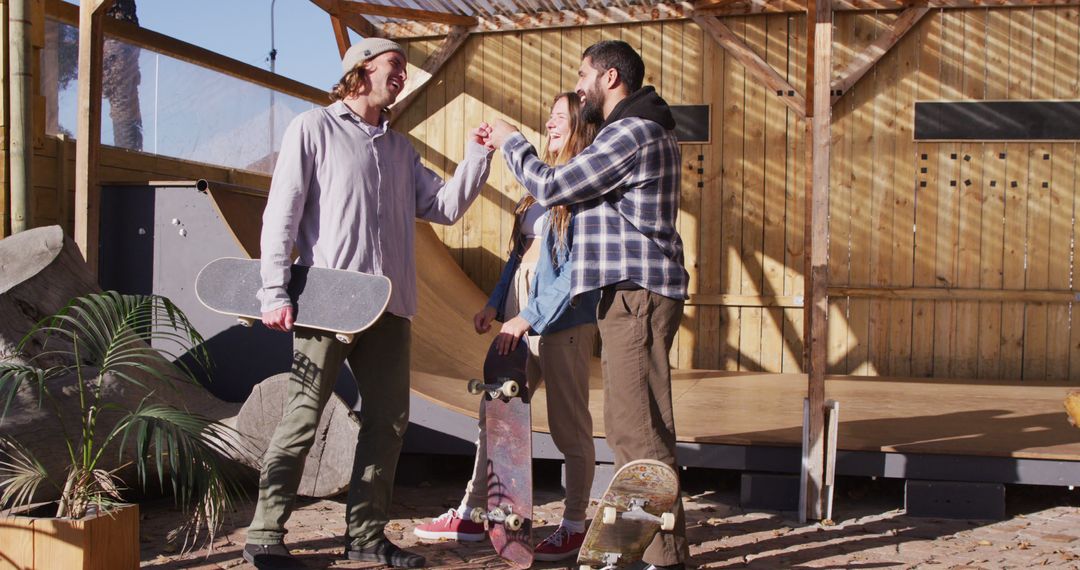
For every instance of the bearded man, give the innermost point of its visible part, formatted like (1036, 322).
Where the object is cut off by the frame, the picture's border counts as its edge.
(624, 192)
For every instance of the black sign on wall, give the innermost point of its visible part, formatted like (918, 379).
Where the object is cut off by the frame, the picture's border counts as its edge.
(692, 123)
(997, 120)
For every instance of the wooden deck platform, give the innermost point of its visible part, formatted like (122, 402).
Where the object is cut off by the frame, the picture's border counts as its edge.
(934, 416)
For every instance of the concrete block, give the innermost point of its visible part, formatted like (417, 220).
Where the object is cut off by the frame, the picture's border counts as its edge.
(954, 499)
(769, 491)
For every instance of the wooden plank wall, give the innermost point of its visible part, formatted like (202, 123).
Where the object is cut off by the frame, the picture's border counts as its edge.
(54, 176)
(904, 215)
(746, 244)
(993, 216)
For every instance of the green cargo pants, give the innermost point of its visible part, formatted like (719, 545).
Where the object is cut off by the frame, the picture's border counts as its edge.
(379, 358)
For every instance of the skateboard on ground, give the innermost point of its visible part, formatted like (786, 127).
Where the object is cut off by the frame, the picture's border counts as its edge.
(638, 503)
(342, 302)
(508, 418)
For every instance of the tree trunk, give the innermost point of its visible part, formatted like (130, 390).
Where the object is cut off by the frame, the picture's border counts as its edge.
(120, 82)
(328, 469)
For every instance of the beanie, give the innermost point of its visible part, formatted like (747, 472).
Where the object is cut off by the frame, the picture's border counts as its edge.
(366, 49)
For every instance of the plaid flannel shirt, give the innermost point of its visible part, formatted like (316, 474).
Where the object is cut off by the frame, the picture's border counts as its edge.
(624, 189)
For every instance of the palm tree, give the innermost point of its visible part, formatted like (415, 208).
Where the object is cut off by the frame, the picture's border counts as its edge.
(97, 351)
(120, 82)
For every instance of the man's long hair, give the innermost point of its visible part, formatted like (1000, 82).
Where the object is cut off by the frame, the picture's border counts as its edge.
(349, 84)
(581, 135)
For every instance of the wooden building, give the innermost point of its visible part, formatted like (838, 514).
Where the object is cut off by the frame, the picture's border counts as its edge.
(820, 235)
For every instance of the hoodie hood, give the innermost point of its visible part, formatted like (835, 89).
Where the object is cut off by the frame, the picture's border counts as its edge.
(644, 103)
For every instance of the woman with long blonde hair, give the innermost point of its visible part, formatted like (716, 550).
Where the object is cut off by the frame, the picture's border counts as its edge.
(532, 300)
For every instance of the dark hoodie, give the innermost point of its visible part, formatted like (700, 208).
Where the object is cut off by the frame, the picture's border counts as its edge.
(646, 104)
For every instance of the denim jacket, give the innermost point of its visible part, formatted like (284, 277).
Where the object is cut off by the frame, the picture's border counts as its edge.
(550, 308)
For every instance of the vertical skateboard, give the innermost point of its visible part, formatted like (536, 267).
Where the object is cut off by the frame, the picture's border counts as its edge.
(637, 503)
(508, 418)
(342, 302)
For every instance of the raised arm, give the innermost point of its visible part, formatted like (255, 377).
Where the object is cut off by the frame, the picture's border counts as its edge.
(445, 202)
(597, 170)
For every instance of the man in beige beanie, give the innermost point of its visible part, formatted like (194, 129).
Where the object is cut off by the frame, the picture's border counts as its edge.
(345, 194)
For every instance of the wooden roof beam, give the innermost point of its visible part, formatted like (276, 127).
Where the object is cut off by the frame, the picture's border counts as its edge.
(869, 57)
(754, 64)
(341, 34)
(358, 8)
(550, 20)
(358, 23)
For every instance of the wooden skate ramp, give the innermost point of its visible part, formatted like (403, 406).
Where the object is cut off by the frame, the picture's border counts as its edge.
(911, 415)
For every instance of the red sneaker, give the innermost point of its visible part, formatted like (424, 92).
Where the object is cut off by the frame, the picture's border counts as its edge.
(451, 526)
(562, 544)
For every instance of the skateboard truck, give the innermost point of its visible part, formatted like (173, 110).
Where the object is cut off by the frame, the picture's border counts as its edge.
(637, 512)
(611, 561)
(502, 514)
(502, 389)
(341, 337)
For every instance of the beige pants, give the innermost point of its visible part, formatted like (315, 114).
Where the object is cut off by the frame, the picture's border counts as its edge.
(561, 360)
(637, 329)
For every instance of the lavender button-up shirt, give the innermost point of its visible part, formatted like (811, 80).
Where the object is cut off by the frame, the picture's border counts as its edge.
(346, 194)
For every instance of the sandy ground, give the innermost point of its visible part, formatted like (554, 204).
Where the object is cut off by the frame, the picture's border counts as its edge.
(871, 529)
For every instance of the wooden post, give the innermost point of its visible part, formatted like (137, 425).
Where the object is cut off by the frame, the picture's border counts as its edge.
(88, 135)
(341, 34)
(819, 109)
(5, 186)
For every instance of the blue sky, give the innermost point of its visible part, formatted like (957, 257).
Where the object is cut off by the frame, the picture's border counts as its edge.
(240, 29)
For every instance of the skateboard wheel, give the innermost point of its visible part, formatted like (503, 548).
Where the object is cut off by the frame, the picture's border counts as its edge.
(476, 387)
(345, 338)
(245, 322)
(610, 514)
(667, 521)
(509, 389)
(585, 567)
(477, 515)
(514, 522)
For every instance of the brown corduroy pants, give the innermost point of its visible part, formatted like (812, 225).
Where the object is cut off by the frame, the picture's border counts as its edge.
(637, 328)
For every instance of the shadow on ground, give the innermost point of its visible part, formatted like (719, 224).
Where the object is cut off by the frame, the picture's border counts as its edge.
(871, 530)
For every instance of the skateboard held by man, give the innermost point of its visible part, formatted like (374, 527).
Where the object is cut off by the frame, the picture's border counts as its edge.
(637, 503)
(332, 300)
(508, 418)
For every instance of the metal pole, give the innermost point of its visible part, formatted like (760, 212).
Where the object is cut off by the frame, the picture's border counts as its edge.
(21, 141)
(273, 61)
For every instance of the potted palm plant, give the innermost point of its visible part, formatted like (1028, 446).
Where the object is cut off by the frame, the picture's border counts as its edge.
(104, 368)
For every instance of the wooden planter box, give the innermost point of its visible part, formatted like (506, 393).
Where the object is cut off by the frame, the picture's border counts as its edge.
(97, 542)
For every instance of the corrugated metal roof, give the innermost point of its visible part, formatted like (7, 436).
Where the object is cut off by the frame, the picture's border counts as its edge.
(487, 9)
